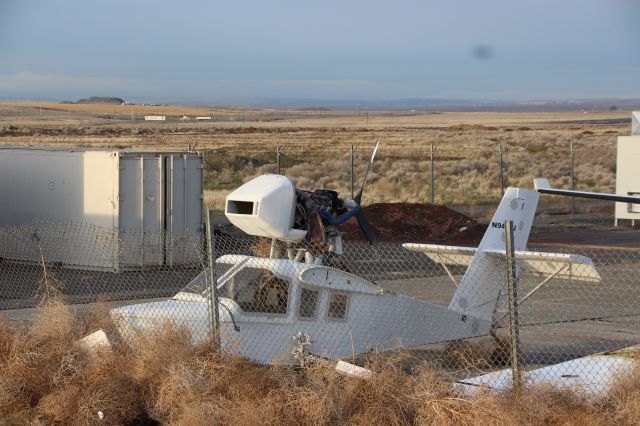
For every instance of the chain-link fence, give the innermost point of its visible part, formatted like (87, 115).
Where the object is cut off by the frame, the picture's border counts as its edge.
(414, 171)
(84, 263)
(293, 303)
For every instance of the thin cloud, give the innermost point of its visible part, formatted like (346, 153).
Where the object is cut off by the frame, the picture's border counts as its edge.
(67, 86)
(28, 81)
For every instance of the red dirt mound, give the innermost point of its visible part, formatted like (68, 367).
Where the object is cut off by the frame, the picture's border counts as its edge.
(416, 223)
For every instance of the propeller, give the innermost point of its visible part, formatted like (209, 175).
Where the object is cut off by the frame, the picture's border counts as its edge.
(363, 223)
(326, 203)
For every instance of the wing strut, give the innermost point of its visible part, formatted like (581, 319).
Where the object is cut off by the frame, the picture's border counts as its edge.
(538, 287)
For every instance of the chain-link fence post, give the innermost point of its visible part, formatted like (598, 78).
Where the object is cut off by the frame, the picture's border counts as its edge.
(501, 150)
(353, 172)
(433, 174)
(211, 276)
(278, 155)
(512, 285)
(572, 150)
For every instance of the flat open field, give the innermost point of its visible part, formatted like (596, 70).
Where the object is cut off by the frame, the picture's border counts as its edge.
(240, 144)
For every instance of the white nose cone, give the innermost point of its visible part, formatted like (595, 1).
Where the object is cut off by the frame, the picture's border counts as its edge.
(265, 207)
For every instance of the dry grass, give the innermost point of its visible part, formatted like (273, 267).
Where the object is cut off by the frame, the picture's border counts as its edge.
(124, 111)
(318, 146)
(46, 380)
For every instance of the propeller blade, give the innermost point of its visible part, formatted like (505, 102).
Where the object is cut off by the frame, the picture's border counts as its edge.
(358, 197)
(366, 227)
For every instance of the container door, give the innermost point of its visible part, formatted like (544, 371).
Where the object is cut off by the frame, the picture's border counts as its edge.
(152, 209)
(130, 246)
(183, 208)
(141, 208)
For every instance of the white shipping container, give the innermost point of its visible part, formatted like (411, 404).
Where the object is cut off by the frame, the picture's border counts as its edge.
(155, 117)
(122, 209)
(628, 177)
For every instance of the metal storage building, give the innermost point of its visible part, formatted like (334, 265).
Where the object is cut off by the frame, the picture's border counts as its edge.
(628, 171)
(117, 209)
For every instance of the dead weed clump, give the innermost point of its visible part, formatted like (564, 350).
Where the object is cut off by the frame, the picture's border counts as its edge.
(164, 378)
(544, 405)
(46, 378)
(623, 401)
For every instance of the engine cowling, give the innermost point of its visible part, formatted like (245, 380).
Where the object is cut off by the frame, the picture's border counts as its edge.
(265, 207)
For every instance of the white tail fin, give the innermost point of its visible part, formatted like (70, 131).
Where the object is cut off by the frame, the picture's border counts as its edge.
(478, 292)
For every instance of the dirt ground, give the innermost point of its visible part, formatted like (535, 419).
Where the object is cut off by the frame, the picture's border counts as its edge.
(594, 229)
(419, 223)
(592, 225)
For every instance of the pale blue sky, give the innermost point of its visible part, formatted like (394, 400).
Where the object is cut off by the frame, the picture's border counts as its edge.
(211, 51)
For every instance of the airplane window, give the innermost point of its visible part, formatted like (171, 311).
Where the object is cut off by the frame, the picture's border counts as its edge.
(200, 284)
(337, 306)
(258, 290)
(308, 303)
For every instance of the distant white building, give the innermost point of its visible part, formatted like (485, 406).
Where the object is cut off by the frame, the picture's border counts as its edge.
(628, 171)
(203, 118)
(155, 117)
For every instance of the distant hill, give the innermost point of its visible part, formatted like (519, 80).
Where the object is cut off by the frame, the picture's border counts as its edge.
(101, 100)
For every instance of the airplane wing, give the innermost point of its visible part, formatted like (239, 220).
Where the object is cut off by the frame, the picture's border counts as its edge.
(448, 255)
(561, 265)
(592, 376)
(543, 187)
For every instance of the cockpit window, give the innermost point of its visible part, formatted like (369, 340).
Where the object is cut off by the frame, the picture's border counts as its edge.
(257, 290)
(308, 303)
(337, 308)
(200, 284)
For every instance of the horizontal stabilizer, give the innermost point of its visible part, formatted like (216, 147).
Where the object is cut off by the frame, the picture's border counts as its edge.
(565, 266)
(561, 265)
(448, 255)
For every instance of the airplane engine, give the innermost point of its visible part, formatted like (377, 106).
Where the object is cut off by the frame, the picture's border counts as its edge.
(265, 207)
(271, 206)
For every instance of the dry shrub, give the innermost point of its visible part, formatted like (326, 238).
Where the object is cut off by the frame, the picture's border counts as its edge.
(96, 318)
(623, 401)
(262, 247)
(466, 355)
(542, 404)
(47, 379)
(43, 357)
(165, 378)
(203, 382)
(152, 354)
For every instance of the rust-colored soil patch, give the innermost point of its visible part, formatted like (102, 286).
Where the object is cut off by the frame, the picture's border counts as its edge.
(417, 223)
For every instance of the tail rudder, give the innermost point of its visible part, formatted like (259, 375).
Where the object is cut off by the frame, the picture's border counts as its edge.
(478, 292)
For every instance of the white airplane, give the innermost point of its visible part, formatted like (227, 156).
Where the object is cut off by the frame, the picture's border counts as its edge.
(278, 309)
